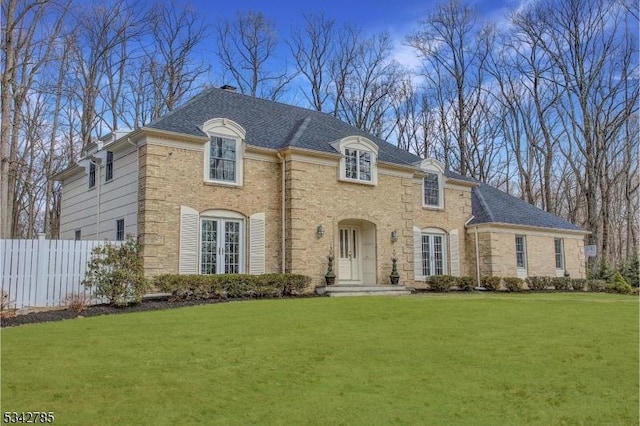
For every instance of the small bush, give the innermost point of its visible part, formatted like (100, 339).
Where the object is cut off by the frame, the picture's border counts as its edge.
(187, 287)
(596, 285)
(441, 283)
(538, 283)
(561, 283)
(513, 283)
(77, 302)
(491, 283)
(465, 283)
(578, 284)
(619, 285)
(116, 272)
(5, 306)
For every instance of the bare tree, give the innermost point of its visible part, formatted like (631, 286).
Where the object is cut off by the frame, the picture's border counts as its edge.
(313, 48)
(102, 32)
(24, 51)
(173, 68)
(454, 49)
(367, 81)
(593, 57)
(247, 51)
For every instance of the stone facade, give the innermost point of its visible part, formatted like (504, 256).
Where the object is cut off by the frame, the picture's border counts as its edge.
(171, 176)
(497, 250)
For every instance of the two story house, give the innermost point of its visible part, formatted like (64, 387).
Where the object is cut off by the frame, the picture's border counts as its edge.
(229, 183)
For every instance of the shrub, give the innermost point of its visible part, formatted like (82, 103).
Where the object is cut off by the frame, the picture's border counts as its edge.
(76, 302)
(5, 306)
(619, 285)
(538, 283)
(116, 273)
(198, 287)
(491, 283)
(630, 270)
(465, 283)
(578, 284)
(440, 283)
(561, 283)
(596, 285)
(513, 283)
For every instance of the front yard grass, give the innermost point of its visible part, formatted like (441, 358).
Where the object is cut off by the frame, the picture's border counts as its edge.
(434, 359)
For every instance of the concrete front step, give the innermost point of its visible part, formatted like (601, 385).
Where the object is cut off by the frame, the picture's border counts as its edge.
(341, 290)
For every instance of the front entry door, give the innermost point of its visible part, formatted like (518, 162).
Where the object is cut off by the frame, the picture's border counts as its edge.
(349, 263)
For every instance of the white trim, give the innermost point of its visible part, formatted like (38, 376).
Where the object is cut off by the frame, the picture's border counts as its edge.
(508, 228)
(239, 162)
(224, 127)
(222, 214)
(227, 129)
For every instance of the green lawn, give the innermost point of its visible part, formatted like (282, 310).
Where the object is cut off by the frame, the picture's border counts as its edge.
(435, 359)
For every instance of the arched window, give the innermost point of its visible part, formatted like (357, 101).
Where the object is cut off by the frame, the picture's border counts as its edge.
(224, 152)
(359, 160)
(432, 184)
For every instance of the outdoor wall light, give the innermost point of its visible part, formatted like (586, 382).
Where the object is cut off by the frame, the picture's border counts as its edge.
(320, 231)
(394, 236)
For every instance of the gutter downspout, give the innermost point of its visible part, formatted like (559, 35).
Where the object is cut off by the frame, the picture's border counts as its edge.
(478, 262)
(283, 214)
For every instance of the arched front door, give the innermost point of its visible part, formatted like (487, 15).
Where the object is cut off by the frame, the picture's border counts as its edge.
(356, 252)
(350, 256)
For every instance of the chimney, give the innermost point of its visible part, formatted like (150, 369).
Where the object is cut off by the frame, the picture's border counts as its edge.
(228, 88)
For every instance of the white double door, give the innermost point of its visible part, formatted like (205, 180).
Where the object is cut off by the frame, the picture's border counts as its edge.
(221, 246)
(350, 263)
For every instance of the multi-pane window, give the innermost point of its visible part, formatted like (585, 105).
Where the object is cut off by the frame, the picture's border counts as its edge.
(432, 190)
(109, 167)
(120, 230)
(433, 260)
(559, 249)
(92, 175)
(222, 159)
(220, 246)
(521, 252)
(357, 164)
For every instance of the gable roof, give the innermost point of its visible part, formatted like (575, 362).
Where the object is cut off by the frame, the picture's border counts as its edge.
(274, 125)
(271, 124)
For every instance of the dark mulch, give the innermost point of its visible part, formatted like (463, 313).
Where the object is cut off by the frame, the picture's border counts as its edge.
(96, 310)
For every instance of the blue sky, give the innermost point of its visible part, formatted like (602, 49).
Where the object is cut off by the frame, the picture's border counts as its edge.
(373, 15)
(398, 18)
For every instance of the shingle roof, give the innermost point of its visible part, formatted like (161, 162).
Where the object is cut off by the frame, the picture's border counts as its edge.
(491, 205)
(274, 125)
(270, 124)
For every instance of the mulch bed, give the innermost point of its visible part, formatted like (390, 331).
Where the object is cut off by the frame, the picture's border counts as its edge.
(96, 310)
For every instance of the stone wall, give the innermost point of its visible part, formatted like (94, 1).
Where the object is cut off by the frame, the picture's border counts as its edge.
(171, 177)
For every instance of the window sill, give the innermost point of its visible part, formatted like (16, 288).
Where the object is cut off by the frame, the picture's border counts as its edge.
(434, 208)
(361, 182)
(222, 183)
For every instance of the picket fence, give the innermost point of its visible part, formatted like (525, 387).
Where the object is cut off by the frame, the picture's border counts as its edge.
(43, 273)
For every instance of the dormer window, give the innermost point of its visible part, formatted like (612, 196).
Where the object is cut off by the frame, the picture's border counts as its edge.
(432, 184)
(432, 190)
(358, 162)
(223, 152)
(222, 159)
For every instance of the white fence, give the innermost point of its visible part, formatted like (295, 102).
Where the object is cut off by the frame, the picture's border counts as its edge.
(41, 273)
